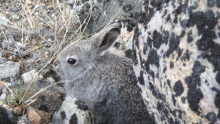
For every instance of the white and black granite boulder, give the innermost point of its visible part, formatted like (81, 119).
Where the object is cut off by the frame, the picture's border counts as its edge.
(177, 62)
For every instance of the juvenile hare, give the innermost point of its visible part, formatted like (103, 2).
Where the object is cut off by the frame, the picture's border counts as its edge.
(102, 79)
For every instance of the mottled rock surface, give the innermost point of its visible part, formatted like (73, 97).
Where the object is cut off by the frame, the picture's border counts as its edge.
(4, 119)
(177, 62)
(9, 69)
(38, 117)
(29, 76)
(73, 111)
(106, 11)
(47, 101)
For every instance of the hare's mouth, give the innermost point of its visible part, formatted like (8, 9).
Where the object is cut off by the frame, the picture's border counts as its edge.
(55, 74)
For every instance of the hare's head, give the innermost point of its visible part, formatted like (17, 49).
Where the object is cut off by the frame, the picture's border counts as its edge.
(81, 56)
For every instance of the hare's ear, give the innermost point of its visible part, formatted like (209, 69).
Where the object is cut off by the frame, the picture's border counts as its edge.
(108, 40)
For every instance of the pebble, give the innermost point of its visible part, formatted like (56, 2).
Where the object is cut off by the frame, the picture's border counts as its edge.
(9, 69)
(8, 85)
(19, 44)
(10, 113)
(3, 19)
(6, 106)
(45, 117)
(3, 96)
(15, 9)
(15, 17)
(128, 45)
(2, 84)
(50, 7)
(2, 103)
(41, 76)
(28, 2)
(36, 13)
(29, 76)
(22, 121)
(33, 117)
(18, 111)
(51, 80)
(4, 90)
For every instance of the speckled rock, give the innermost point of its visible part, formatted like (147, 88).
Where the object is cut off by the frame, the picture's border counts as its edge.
(73, 111)
(105, 11)
(3, 19)
(18, 111)
(47, 101)
(33, 117)
(177, 62)
(38, 117)
(9, 69)
(4, 119)
(29, 76)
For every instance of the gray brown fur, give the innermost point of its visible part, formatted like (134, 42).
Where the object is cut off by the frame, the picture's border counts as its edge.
(103, 80)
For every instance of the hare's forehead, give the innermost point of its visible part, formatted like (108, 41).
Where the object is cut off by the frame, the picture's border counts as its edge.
(77, 49)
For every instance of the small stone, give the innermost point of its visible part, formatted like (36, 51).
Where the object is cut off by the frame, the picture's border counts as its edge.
(10, 113)
(1, 103)
(4, 119)
(36, 13)
(3, 19)
(2, 84)
(5, 90)
(51, 80)
(9, 69)
(45, 117)
(29, 2)
(18, 111)
(19, 44)
(15, 17)
(29, 76)
(3, 96)
(50, 7)
(128, 45)
(22, 121)
(33, 117)
(6, 106)
(8, 85)
(15, 9)
(41, 76)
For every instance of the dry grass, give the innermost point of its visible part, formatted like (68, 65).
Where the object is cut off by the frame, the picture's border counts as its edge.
(36, 30)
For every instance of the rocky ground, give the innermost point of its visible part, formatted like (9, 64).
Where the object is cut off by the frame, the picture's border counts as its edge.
(32, 33)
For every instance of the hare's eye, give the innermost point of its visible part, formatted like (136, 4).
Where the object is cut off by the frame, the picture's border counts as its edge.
(71, 61)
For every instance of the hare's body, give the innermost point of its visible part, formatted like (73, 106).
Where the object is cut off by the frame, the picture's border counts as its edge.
(103, 80)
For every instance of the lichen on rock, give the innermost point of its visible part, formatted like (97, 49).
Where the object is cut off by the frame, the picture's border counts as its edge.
(177, 62)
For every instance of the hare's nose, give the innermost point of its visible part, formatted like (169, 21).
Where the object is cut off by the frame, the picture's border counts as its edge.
(56, 62)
